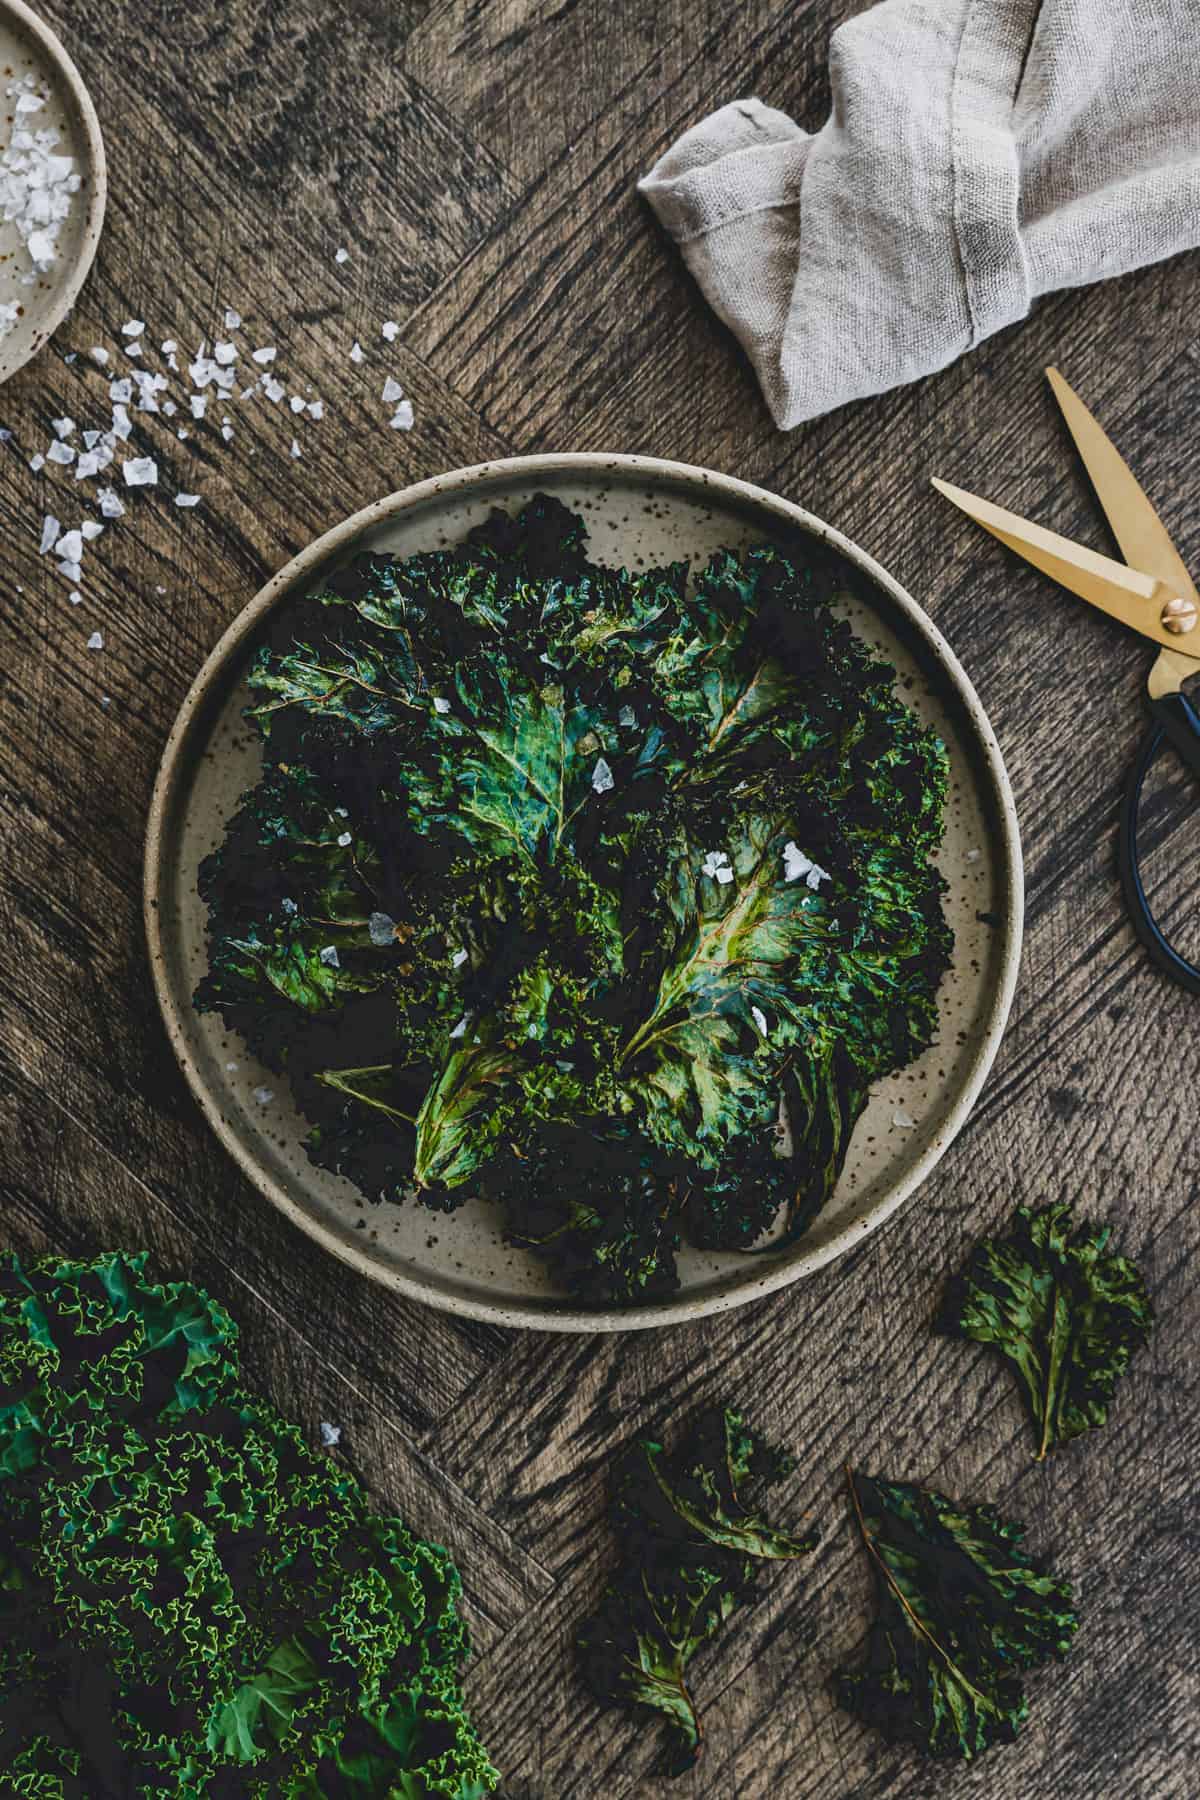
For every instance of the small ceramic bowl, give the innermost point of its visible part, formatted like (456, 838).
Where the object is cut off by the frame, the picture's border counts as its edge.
(637, 510)
(29, 47)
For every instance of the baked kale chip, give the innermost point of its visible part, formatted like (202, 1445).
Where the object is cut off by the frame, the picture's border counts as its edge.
(607, 894)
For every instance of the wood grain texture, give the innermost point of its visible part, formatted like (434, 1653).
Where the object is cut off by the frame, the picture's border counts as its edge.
(478, 158)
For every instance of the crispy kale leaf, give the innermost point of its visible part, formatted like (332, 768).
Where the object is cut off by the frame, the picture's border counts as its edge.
(1066, 1315)
(191, 1602)
(962, 1613)
(692, 1543)
(604, 893)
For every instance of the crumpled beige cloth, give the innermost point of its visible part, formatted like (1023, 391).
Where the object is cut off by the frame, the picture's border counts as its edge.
(979, 153)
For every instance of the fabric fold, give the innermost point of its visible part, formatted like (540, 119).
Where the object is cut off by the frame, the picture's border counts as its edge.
(977, 153)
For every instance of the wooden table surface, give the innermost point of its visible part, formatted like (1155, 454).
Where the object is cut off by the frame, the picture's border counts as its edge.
(477, 158)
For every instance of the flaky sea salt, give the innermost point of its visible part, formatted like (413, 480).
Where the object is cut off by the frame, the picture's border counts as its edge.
(717, 867)
(330, 1434)
(70, 546)
(390, 330)
(266, 355)
(140, 471)
(187, 499)
(37, 183)
(91, 528)
(392, 391)
(903, 1120)
(346, 839)
(63, 427)
(264, 1095)
(356, 352)
(402, 418)
(797, 864)
(329, 957)
(133, 328)
(296, 451)
(341, 256)
(760, 1019)
(51, 532)
(109, 503)
(95, 642)
(58, 452)
(381, 928)
(602, 777)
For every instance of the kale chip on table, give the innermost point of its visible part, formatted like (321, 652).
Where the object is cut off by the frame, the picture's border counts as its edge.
(604, 894)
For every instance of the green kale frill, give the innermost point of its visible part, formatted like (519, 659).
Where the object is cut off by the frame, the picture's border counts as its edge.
(191, 1602)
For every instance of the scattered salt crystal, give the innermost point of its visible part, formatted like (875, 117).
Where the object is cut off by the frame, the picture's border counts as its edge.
(199, 405)
(106, 701)
(265, 355)
(95, 642)
(274, 390)
(37, 462)
(140, 471)
(109, 504)
(227, 432)
(75, 596)
(902, 1120)
(356, 352)
(392, 391)
(51, 531)
(233, 1067)
(232, 319)
(382, 929)
(170, 409)
(295, 448)
(297, 403)
(602, 777)
(316, 409)
(63, 427)
(330, 1434)
(91, 439)
(264, 1095)
(182, 436)
(70, 546)
(225, 353)
(760, 1019)
(402, 418)
(187, 499)
(168, 346)
(717, 867)
(341, 256)
(120, 423)
(90, 462)
(627, 716)
(133, 328)
(460, 1030)
(91, 528)
(440, 705)
(70, 569)
(329, 957)
(346, 839)
(98, 354)
(459, 958)
(390, 330)
(58, 452)
(121, 392)
(796, 864)
(974, 855)
(71, 356)
(133, 350)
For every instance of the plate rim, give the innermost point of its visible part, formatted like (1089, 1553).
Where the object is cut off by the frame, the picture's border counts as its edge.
(69, 290)
(174, 770)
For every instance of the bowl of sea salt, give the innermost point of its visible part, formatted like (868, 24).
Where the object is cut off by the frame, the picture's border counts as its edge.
(52, 184)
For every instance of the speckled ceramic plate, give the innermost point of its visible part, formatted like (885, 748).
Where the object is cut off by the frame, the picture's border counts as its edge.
(28, 47)
(638, 510)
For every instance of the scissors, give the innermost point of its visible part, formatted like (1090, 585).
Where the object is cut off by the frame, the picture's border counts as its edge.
(1152, 592)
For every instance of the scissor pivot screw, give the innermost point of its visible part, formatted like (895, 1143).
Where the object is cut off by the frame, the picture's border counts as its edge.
(1179, 615)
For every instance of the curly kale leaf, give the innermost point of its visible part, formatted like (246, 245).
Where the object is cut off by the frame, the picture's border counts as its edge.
(551, 854)
(692, 1539)
(1066, 1314)
(191, 1601)
(962, 1613)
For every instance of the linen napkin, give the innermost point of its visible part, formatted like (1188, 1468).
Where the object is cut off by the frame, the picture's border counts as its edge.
(978, 153)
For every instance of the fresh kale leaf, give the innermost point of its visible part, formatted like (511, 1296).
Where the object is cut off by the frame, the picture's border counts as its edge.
(606, 894)
(191, 1601)
(962, 1613)
(692, 1539)
(1066, 1314)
